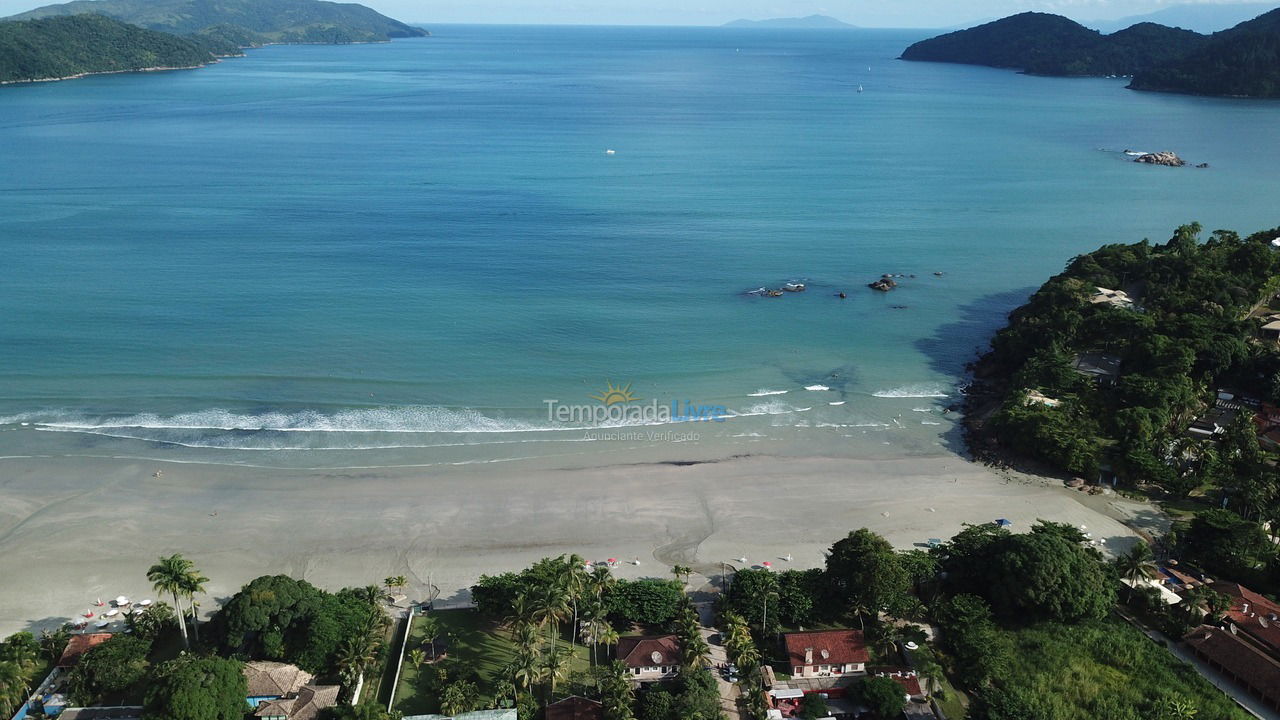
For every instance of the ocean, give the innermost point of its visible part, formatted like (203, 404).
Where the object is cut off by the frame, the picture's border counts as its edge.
(412, 254)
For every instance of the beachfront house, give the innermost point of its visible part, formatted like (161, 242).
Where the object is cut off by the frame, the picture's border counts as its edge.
(826, 653)
(649, 657)
(280, 691)
(575, 708)
(78, 645)
(1102, 368)
(1247, 647)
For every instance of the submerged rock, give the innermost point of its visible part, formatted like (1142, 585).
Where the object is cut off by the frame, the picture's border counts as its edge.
(1166, 157)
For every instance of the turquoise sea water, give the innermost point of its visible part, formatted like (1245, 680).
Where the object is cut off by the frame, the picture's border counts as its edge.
(393, 254)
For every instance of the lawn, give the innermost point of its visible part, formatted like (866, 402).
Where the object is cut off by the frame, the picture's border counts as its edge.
(1107, 669)
(478, 644)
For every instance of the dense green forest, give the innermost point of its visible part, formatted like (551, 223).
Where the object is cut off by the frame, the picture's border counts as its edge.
(246, 22)
(1047, 44)
(1243, 61)
(1193, 328)
(68, 46)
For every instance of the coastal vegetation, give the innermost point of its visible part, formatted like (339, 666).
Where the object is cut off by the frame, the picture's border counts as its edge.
(63, 47)
(1243, 61)
(245, 22)
(1108, 385)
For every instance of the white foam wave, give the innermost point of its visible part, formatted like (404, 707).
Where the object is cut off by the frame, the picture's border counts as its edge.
(926, 422)
(926, 390)
(837, 403)
(763, 392)
(923, 410)
(816, 388)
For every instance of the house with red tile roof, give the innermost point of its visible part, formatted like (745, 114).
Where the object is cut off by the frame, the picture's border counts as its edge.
(1238, 658)
(649, 657)
(1252, 614)
(78, 645)
(575, 708)
(826, 653)
(905, 677)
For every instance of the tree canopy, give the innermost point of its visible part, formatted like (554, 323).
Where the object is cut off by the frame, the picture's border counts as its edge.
(191, 688)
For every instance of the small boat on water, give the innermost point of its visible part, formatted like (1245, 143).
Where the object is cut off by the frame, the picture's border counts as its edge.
(859, 88)
(793, 287)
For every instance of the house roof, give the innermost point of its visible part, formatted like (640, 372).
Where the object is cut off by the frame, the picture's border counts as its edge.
(80, 644)
(639, 650)
(1238, 658)
(905, 677)
(1253, 614)
(841, 646)
(1100, 364)
(308, 703)
(274, 679)
(575, 708)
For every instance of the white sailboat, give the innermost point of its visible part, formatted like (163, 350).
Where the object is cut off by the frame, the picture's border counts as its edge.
(859, 88)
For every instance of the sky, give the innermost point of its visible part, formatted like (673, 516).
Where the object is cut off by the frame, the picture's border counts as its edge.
(865, 13)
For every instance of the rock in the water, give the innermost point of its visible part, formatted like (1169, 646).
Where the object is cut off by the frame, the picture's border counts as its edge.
(1161, 158)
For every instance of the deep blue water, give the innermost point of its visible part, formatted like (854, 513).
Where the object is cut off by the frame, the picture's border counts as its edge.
(415, 244)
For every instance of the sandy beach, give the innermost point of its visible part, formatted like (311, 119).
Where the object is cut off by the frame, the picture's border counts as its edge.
(73, 530)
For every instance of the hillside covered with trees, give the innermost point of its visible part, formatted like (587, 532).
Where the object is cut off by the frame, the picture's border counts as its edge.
(1045, 44)
(245, 22)
(1243, 61)
(69, 46)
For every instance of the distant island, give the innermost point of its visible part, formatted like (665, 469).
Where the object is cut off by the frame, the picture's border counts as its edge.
(1200, 17)
(812, 22)
(1243, 61)
(86, 37)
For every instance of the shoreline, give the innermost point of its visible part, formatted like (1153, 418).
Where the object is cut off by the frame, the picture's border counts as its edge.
(75, 530)
(77, 76)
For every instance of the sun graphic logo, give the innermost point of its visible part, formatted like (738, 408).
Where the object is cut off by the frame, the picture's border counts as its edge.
(615, 394)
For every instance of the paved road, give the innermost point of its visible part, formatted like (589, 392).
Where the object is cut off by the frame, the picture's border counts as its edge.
(729, 692)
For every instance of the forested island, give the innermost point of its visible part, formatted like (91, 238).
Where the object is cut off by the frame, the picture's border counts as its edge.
(107, 36)
(66, 47)
(245, 22)
(1243, 61)
(1155, 368)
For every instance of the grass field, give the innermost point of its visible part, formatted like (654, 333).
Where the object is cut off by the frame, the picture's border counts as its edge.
(1108, 669)
(477, 644)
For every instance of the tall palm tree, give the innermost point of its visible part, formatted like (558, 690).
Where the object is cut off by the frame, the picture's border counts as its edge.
(354, 656)
(682, 573)
(590, 633)
(1136, 565)
(599, 581)
(525, 669)
(554, 667)
(193, 583)
(170, 575)
(608, 637)
(549, 608)
(573, 578)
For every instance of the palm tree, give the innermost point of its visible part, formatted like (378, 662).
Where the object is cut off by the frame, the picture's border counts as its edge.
(395, 581)
(682, 573)
(549, 608)
(354, 656)
(170, 575)
(13, 687)
(525, 669)
(599, 581)
(930, 671)
(429, 626)
(504, 692)
(191, 584)
(885, 638)
(573, 579)
(554, 667)
(1136, 565)
(607, 637)
(416, 657)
